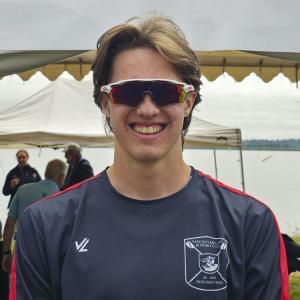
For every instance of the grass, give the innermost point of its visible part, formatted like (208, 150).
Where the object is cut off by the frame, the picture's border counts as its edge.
(294, 279)
(296, 239)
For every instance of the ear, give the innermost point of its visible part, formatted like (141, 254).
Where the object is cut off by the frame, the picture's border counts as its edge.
(105, 104)
(189, 103)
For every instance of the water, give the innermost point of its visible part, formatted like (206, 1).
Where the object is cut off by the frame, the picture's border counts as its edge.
(270, 176)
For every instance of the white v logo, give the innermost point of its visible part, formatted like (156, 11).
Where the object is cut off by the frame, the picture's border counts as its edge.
(81, 247)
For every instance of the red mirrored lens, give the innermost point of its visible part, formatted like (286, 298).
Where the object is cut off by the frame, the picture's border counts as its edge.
(132, 92)
(127, 93)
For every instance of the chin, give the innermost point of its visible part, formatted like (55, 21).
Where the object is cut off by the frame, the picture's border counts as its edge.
(148, 155)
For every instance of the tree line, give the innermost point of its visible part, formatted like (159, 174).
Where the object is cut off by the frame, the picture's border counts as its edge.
(280, 144)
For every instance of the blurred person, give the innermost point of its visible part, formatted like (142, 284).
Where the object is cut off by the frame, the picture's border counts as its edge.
(27, 195)
(4, 279)
(79, 167)
(19, 175)
(149, 226)
(292, 254)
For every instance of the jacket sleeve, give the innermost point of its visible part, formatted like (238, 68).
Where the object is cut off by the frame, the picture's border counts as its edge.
(85, 171)
(7, 190)
(31, 266)
(38, 178)
(266, 267)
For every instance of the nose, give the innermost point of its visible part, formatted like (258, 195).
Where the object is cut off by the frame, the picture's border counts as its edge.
(147, 108)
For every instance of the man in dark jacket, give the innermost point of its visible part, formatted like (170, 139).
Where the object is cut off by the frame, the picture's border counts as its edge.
(292, 253)
(79, 168)
(19, 175)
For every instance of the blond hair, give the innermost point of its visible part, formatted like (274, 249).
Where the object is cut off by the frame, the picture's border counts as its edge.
(54, 169)
(153, 31)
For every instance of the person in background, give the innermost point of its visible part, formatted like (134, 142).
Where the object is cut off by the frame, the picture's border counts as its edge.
(25, 196)
(150, 226)
(79, 167)
(4, 279)
(292, 253)
(19, 175)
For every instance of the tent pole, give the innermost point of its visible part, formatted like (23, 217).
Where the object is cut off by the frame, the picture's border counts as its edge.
(241, 161)
(216, 168)
(242, 168)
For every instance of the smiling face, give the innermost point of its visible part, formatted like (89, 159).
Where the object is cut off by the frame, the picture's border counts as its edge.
(147, 132)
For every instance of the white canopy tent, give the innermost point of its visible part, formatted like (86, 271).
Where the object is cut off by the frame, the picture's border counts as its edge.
(60, 113)
(64, 112)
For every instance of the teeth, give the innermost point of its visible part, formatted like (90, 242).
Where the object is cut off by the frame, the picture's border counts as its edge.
(147, 129)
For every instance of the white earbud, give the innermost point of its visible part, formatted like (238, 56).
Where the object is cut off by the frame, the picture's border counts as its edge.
(186, 111)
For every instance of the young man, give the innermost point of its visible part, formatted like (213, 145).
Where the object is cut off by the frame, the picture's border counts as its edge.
(150, 226)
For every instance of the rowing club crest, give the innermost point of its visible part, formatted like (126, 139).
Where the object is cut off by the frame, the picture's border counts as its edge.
(206, 261)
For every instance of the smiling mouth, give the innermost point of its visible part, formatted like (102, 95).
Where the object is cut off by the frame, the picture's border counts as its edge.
(150, 129)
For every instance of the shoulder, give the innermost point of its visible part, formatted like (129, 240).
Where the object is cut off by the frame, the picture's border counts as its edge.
(84, 162)
(12, 171)
(25, 188)
(65, 202)
(48, 184)
(33, 170)
(230, 197)
(22, 192)
(43, 185)
(84, 166)
(57, 214)
(240, 210)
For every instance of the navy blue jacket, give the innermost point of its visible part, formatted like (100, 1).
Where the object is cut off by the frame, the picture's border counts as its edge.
(80, 172)
(26, 174)
(206, 241)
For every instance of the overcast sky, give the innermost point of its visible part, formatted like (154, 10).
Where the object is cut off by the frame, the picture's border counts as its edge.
(262, 110)
(270, 25)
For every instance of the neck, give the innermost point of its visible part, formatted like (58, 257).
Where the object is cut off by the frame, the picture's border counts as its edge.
(148, 181)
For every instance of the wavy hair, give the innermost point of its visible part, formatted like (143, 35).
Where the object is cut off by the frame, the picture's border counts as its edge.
(158, 33)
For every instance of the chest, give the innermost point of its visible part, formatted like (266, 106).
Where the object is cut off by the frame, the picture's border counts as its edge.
(25, 175)
(151, 255)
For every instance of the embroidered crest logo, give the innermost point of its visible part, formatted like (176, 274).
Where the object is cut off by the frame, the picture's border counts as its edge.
(206, 261)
